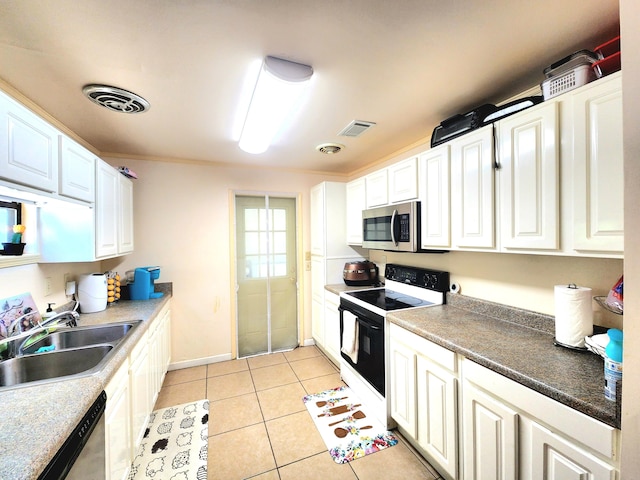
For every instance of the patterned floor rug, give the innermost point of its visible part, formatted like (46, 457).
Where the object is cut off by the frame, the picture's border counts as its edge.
(344, 425)
(175, 444)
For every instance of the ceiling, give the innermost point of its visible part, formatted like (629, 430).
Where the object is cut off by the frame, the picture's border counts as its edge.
(404, 64)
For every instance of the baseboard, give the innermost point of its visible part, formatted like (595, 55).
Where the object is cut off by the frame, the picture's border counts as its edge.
(199, 361)
(308, 342)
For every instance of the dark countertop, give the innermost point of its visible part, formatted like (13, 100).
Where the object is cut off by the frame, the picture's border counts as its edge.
(519, 345)
(36, 420)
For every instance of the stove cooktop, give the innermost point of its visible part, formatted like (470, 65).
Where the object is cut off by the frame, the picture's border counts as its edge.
(388, 300)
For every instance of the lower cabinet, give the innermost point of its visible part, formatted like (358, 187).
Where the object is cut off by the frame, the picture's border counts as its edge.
(132, 393)
(472, 423)
(332, 326)
(423, 392)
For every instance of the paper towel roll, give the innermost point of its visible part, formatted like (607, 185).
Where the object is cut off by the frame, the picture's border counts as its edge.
(574, 314)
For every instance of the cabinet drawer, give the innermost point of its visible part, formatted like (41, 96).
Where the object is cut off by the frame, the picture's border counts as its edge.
(440, 355)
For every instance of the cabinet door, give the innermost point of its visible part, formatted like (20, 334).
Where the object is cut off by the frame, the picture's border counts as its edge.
(437, 415)
(554, 458)
(125, 215)
(434, 171)
(356, 202)
(118, 426)
(403, 386)
(529, 179)
(107, 188)
(77, 171)
(403, 180)
(472, 190)
(598, 167)
(317, 205)
(332, 326)
(377, 189)
(490, 436)
(140, 387)
(28, 147)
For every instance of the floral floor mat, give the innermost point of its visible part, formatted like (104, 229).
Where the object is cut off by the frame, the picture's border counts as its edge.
(174, 446)
(344, 425)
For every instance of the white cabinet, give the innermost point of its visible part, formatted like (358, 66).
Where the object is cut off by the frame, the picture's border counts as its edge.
(332, 326)
(28, 147)
(403, 180)
(356, 203)
(472, 190)
(329, 250)
(118, 425)
(555, 458)
(107, 189)
(597, 167)
(140, 382)
(132, 392)
(434, 179)
(511, 431)
(529, 179)
(423, 397)
(113, 211)
(125, 215)
(77, 171)
(377, 189)
(490, 436)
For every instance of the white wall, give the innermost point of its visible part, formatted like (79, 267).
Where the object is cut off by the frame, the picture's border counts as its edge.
(182, 223)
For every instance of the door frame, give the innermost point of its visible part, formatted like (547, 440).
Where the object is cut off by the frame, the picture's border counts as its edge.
(233, 261)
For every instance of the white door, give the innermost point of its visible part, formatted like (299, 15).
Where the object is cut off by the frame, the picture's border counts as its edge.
(266, 298)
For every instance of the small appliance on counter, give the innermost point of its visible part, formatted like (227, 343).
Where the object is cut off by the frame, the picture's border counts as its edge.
(360, 273)
(92, 292)
(140, 282)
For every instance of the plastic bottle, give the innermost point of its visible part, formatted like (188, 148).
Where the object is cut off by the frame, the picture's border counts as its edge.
(613, 363)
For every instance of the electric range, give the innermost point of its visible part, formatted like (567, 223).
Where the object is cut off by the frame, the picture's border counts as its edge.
(364, 344)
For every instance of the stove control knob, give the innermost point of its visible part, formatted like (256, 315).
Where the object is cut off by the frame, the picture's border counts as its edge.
(391, 273)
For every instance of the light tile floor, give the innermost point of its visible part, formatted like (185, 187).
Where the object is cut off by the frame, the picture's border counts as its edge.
(260, 429)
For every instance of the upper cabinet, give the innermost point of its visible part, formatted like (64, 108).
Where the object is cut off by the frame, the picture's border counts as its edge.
(114, 212)
(472, 190)
(528, 172)
(597, 167)
(77, 171)
(28, 147)
(434, 179)
(403, 180)
(377, 190)
(356, 203)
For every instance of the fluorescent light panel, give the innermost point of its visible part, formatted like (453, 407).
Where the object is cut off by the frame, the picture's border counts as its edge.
(278, 90)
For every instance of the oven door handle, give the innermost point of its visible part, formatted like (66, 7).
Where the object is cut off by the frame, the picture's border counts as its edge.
(368, 325)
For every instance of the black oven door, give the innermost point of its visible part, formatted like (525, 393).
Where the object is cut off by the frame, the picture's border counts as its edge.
(370, 359)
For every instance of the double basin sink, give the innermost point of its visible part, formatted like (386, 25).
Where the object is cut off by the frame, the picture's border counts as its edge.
(76, 352)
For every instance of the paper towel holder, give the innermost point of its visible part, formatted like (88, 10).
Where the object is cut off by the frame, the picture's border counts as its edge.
(564, 345)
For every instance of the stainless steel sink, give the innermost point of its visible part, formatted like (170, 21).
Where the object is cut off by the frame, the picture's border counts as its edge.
(44, 366)
(82, 336)
(77, 352)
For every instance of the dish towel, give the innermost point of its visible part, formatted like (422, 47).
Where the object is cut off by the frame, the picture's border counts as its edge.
(350, 336)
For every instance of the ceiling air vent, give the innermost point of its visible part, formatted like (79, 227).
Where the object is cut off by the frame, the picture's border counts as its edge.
(356, 128)
(116, 99)
(330, 148)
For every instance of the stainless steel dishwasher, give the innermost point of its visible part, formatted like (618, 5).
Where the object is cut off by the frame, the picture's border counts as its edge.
(82, 456)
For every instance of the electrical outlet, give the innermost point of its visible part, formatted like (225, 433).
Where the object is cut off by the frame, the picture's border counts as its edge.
(67, 278)
(48, 288)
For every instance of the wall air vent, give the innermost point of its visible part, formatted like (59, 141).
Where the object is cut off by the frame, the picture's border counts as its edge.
(356, 128)
(116, 99)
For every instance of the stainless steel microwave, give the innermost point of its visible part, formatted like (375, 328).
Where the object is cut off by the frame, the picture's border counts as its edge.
(394, 227)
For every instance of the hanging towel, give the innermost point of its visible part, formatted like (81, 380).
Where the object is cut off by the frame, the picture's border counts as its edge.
(350, 336)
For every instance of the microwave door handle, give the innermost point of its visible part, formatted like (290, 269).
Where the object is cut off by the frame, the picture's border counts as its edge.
(393, 227)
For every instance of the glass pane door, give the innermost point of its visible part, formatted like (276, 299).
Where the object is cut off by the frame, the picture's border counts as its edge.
(266, 274)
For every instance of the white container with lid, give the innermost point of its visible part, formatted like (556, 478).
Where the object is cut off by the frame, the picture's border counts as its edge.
(92, 292)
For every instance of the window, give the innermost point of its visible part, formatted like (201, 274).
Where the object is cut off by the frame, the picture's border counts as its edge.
(265, 242)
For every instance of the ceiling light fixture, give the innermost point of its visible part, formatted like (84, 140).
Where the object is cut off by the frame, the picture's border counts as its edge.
(278, 90)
